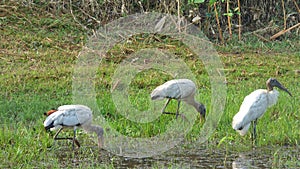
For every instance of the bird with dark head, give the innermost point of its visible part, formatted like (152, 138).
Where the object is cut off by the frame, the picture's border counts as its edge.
(202, 110)
(180, 90)
(255, 105)
(272, 82)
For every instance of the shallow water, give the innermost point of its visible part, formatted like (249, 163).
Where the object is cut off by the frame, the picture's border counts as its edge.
(196, 157)
(280, 157)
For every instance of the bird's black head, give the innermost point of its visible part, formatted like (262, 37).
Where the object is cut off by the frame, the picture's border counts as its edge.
(202, 111)
(47, 128)
(272, 82)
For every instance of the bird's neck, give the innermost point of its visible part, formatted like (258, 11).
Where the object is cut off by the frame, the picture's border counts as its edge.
(269, 87)
(195, 104)
(94, 128)
(272, 97)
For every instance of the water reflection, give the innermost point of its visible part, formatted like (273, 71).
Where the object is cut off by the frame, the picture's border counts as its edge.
(191, 157)
(243, 161)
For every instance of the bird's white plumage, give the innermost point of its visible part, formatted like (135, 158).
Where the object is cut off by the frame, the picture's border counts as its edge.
(175, 89)
(180, 90)
(69, 115)
(253, 107)
(73, 116)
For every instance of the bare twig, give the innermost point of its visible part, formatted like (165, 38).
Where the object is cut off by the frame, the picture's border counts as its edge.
(261, 37)
(96, 20)
(11, 10)
(178, 15)
(168, 12)
(228, 19)
(71, 11)
(218, 22)
(207, 24)
(240, 20)
(296, 6)
(284, 15)
(141, 6)
(8, 6)
(283, 32)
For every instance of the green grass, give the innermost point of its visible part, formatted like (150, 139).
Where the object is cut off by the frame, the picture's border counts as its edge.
(37, 59)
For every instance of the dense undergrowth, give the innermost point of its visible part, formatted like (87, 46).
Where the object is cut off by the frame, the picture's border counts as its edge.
(38, 52)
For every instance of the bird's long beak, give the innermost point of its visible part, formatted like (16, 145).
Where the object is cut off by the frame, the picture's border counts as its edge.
(280, 86)
(202, 117)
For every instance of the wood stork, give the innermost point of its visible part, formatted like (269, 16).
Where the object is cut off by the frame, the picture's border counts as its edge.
(180, 90)
(72, 116)
(255, 105)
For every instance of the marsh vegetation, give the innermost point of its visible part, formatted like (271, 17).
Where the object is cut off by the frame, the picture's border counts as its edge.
(39, 50)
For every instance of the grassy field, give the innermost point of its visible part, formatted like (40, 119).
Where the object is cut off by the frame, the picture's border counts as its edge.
(38, 53)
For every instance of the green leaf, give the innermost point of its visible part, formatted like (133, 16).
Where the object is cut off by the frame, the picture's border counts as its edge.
(196, 1)
(211, 2)
(224, 139)
(228, 14)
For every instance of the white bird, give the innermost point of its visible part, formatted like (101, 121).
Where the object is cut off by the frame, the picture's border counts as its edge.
(72, 116)
(255, 105)
(180, 90)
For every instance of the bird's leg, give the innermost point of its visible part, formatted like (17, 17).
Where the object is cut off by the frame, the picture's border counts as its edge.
(254, 131)
(56, 134)
(163, 109)
(74, 139)
(67, 138)
(60, 138)
(177, 112)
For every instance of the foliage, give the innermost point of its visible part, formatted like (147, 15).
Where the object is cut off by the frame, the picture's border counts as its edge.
(39, 49)
(267, 16)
